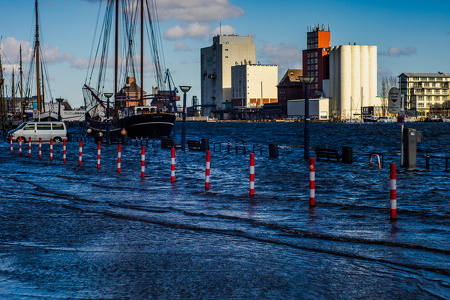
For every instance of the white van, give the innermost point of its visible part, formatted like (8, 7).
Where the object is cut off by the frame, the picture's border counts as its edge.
(55, 131)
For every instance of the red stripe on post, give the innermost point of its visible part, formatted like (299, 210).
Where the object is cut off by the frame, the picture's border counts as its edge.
(99, 154)
(208, 169)
(29, 146)
(119, 158)
(80, 153)
(393, 190)
(312, 181)
(172, 165)
(252, 174)
(142, 161)
(40, 149)
(64, 151)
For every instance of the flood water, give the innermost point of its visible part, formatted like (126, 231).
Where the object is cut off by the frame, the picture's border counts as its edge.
(79, 232)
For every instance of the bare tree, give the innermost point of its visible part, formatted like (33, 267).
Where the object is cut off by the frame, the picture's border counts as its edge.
(386, 84)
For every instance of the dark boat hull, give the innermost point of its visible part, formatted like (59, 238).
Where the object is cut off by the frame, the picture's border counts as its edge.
(102, 127)
(150, 125)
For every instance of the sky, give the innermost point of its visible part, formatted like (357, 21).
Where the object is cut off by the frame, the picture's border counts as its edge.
(411, 36)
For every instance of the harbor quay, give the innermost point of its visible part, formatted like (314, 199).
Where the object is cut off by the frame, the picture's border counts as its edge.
(83, 231)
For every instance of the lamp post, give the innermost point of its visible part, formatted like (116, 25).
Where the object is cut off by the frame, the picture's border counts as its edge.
(59, 108)
(108, 121)
(184, 89)
(306, 80)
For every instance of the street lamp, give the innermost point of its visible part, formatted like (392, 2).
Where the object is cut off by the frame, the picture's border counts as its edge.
(306, 80)
(108, 124)
(59, 108)
(184, 89)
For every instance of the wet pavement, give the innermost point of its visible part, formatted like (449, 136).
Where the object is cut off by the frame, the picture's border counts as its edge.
(78, 232)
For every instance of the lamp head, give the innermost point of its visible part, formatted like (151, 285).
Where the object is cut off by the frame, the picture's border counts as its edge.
(306, 79)
(185, 88)
(108, 95)
(59, 100)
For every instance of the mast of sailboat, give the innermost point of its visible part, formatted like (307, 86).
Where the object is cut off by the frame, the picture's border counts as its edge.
(2, 81)
(22, 101)
(38, 62)
(141, 102)
(13, 94)
(116, 49)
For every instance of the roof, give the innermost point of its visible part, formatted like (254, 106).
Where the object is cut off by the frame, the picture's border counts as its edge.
(292, 75)
(438, 74)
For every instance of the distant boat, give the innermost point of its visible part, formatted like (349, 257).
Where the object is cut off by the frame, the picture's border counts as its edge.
(370, 119)
(131, 109)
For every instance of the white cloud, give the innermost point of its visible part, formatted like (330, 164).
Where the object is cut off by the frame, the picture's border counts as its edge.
(179, 46)
(196, 30)
(194, 10)
(394, 51)
(223, 30)
(284, 55)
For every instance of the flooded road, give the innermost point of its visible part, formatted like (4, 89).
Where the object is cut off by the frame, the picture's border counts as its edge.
(71, 231)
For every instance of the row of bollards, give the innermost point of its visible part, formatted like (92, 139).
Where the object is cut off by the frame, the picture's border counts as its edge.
(312, 170)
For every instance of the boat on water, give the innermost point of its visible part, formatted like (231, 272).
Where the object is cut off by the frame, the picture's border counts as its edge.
(129, 109)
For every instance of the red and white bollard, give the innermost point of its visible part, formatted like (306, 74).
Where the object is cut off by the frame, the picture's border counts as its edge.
(80, 153)
(40, 149)
(119, 158)
(11, 145)
(64, 151)
(172, 165)
(312, 181)
(393, 190)
(252, 174)
(51, 149)
(207, 169)
(29, 146)
(142, 161)
(99, 153)
(20, 145)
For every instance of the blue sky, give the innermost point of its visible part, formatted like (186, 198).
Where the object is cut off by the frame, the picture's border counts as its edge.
(411, 36)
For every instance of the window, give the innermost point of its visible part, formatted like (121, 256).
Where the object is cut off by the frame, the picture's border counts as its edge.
(43, 126)
(420, 104)
(57, 126)
(29, 127)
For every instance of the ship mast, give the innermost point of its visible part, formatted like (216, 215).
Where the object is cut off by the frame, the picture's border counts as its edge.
(116, 49)
(141, 102)
(38, 62)
(2, 81)
(22, 101)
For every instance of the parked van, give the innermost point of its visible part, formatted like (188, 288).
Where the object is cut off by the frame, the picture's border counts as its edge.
(47, 131)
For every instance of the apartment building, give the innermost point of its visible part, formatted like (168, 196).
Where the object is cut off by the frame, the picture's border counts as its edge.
(427, 93)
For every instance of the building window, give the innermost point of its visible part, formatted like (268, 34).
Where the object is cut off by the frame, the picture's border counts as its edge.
(420, 104)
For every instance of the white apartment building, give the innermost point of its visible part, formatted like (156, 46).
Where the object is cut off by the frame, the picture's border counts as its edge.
(427, 93)
(254, 85)
(216, 62)
(353, 79)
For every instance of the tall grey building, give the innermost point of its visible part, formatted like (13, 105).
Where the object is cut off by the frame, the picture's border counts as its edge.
(216, 62)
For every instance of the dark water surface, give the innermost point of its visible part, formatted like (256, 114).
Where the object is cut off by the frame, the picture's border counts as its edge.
(71, 232)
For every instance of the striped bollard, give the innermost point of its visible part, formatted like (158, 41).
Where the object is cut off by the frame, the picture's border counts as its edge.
(11, 145)
(119, 158)
(142, 161)
(29, 146)
(252, 174)
(51, 149)
(99, 153)
(64, 151)
(312, 181)
(393, 190)
(172, 165)
(40, 149)
(208, 169)
(80, 153)
(20, 145)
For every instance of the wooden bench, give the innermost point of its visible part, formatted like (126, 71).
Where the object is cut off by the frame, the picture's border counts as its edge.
(328, 154)
(169, 143)
(194, 145)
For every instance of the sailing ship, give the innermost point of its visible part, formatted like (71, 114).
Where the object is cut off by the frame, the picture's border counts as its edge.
(131, 110)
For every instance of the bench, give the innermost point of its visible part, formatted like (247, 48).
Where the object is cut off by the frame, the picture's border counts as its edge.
(194, 145)
(169, 143)
(328, 154)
